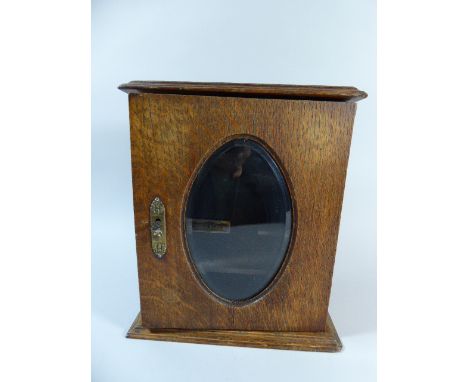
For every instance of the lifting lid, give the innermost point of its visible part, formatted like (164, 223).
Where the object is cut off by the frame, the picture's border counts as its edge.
(300, 92)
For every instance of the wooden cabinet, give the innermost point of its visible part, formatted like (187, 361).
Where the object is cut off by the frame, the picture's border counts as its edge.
(237, 199)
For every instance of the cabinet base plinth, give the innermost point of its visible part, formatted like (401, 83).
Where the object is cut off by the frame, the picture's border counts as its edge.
(326, 341)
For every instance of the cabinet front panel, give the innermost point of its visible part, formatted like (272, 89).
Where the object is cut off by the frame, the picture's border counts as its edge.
(173, 137)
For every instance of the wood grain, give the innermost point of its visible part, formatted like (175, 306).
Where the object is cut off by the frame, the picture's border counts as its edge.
(310, 92)
(326, 341)
(171, 136)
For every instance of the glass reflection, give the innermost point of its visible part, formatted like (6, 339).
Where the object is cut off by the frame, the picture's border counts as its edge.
(238, 220)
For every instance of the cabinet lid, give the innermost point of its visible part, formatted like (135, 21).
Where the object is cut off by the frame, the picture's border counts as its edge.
(300, 92)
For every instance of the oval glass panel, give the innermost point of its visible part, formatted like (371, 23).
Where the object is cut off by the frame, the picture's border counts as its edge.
(238, 220)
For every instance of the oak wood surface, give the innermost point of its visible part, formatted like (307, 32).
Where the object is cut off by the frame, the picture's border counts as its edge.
(326, 341)
(171, 136)
(311, 92)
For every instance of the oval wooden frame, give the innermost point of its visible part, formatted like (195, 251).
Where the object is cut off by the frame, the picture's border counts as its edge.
(272, 283)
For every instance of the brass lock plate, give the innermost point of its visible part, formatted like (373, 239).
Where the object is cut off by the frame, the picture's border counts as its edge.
(158, 227)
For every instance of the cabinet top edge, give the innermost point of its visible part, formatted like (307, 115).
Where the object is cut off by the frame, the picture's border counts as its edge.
(275, 91)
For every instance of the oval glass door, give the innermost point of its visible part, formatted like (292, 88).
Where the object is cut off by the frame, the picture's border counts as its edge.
(238, 220)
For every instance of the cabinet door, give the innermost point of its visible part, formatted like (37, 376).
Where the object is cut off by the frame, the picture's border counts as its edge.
(252, 192)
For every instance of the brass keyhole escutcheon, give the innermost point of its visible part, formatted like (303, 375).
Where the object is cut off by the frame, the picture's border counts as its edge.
(158, 228)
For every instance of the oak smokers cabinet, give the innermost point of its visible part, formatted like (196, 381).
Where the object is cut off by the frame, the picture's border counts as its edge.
(237, 198)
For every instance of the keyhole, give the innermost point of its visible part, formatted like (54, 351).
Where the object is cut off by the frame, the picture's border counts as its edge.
(157, 224)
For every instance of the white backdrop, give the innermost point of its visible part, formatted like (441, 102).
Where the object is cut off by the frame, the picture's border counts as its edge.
(321, 42)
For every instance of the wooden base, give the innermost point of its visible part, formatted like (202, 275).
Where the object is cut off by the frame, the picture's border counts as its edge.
(327, 341)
